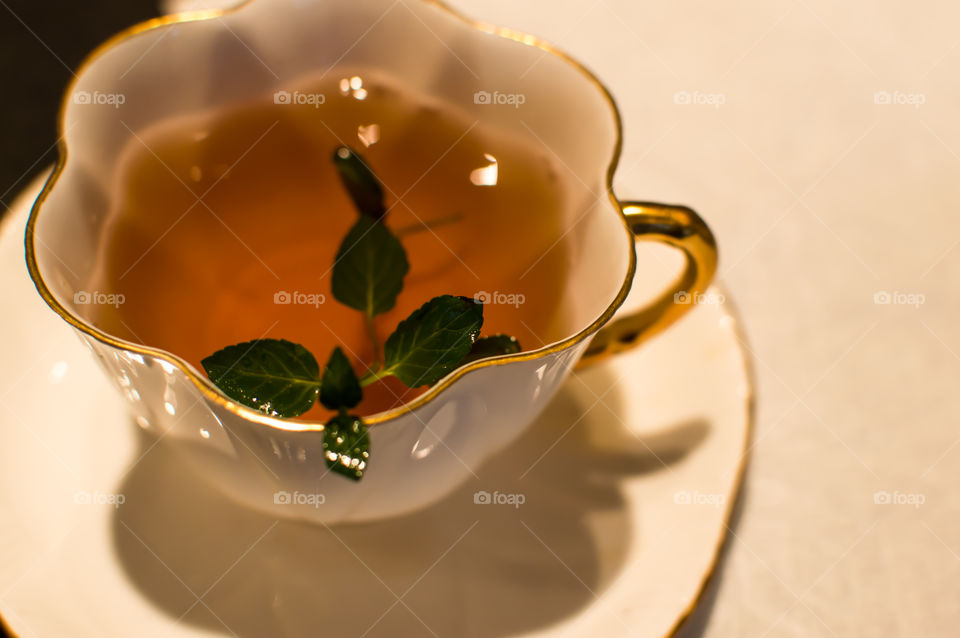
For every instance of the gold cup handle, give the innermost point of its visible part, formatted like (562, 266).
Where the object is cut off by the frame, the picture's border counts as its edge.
(682, 228)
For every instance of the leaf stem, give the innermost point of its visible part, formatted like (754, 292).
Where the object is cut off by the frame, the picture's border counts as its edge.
(421, 225)
(374, 376)
(372, 333)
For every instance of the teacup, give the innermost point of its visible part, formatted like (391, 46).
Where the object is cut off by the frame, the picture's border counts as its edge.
(423, 450)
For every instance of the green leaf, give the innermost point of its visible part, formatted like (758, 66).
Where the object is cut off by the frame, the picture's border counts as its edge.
(492, 346)
(339, 387)
(362, 185)
(346, 445)
(277, 377)
(432, 340)
(369, 268)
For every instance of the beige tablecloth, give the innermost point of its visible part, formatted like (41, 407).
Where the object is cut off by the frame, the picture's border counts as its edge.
(821, 140)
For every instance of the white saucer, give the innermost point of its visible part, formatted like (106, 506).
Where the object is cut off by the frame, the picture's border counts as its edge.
(629, 481)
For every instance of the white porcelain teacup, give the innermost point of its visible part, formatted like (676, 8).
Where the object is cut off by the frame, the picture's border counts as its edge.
(423, 450)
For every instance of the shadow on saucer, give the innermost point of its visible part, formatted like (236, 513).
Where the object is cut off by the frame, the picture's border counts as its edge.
(459, 568)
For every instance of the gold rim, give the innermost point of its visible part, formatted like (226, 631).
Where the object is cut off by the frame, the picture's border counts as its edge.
(723, 540)
(209, 390)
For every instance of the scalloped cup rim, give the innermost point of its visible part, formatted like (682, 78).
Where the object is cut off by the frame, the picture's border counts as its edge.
(203, 383)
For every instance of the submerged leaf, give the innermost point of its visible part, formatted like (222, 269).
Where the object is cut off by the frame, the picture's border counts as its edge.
(339, 387)
(369, 268)
(362, 185)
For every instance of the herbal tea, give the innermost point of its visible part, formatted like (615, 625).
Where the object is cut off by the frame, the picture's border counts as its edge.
(225, 227)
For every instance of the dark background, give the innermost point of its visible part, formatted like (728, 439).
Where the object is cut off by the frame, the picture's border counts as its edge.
(41, 45)
(42, 42)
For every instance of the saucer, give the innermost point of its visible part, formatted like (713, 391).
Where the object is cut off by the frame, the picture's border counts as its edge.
(605, 518)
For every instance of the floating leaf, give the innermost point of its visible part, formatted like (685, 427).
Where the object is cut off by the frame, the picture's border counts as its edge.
(492, 346)
(432, 340)
(277, 377)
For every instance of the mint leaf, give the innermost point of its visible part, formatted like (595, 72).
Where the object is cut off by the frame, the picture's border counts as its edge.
(369, 268)
(492, 346)
(339, 387)
(346, 445)
(362, 185)
(275, 376)
(432, 340)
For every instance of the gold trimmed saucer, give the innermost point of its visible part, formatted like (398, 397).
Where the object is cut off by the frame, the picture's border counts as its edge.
(605, 518)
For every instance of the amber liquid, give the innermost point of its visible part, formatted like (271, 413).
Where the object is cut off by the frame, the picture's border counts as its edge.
(216, 216)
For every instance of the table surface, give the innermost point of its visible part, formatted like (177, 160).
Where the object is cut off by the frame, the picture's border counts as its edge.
(821, 143)
(819, 140)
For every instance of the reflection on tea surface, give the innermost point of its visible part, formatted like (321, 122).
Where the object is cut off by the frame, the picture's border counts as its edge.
(224, 227)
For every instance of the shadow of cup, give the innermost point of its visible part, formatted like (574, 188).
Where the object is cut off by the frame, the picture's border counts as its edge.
(535, 537)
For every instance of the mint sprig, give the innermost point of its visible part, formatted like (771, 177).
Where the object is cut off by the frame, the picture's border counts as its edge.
(283, 379)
